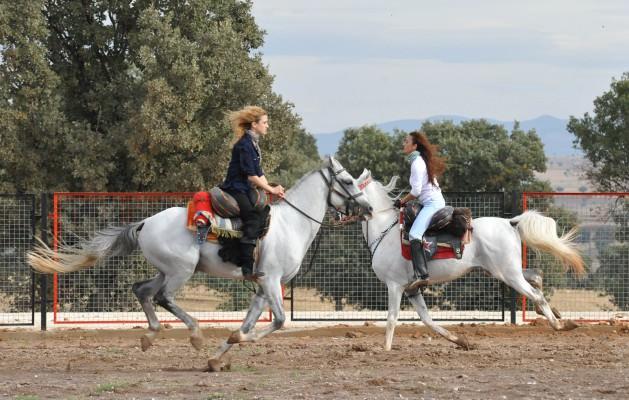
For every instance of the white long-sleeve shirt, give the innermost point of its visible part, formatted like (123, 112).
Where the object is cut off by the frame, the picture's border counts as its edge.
(420, 186)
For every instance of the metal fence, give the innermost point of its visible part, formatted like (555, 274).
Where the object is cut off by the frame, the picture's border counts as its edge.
(603, 239)
(103, 294)
(17, 229)
(336, 281)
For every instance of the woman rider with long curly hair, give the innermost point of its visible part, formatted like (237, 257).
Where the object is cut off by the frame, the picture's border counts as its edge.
(426, 166)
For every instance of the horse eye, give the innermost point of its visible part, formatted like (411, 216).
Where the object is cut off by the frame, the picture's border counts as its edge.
(347, 181)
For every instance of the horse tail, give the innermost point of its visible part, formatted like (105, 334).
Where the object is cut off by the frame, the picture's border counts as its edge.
(540, 233)
(114, 241)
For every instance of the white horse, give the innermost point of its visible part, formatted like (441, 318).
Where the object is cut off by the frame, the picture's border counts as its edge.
(495, 246)
(169, 246)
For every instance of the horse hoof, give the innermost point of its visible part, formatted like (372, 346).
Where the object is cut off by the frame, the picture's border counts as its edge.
(197, 341)
(215, 365)
(146, 343)
(556, 313)
(462, 342)
(569, 325)
(235, 337)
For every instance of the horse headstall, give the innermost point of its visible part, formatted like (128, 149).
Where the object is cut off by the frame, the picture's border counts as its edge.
(352, 207)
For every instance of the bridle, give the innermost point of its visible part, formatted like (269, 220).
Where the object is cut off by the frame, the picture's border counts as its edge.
(351, 204)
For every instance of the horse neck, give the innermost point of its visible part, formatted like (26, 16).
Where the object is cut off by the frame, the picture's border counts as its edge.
(307, 195)
(384, 213)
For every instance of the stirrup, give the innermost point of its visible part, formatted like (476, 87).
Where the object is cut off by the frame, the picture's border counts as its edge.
(412, 287)
(202, 232)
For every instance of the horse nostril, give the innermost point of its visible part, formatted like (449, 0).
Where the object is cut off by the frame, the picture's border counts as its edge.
(370, 209)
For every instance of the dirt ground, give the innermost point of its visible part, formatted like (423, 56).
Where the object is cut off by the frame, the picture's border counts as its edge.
(339, 362)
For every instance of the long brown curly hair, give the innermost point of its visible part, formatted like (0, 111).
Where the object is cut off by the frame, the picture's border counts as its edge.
(435, 164)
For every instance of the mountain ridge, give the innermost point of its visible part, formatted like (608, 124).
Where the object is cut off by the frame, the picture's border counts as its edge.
(552, 131)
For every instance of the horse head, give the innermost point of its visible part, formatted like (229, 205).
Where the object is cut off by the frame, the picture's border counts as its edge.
(344, 195)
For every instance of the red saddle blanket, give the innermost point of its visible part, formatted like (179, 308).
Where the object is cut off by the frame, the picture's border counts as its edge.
(443, 252)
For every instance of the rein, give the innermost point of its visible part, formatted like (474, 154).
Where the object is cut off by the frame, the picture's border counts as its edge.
(380, 237)
(350, 198)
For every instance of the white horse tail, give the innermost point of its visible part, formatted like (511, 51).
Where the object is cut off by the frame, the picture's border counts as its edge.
(114, 241)
(540, 233)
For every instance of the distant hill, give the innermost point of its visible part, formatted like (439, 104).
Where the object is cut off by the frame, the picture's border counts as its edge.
(557, 140)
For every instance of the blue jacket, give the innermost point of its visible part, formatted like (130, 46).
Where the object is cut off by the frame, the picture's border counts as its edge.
(245, 162)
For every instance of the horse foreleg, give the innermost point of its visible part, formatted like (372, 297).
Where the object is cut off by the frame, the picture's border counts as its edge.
(395, 297)
(420, 306)
(523, 287)
(255, 310)
(145, 291)
(273, 291)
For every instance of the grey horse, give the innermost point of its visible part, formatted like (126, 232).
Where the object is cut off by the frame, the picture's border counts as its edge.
(496, 247)
(171, 248)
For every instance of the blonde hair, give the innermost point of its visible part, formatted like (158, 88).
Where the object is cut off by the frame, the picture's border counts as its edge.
(241, 120)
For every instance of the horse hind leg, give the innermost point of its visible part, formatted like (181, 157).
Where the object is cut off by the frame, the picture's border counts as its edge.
(535, 278)
(165, 298)
(145, 291)
(522, 286)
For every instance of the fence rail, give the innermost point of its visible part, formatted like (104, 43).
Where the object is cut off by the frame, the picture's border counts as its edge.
(335, 283)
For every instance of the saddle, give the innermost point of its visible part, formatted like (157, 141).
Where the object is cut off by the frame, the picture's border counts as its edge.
(447, 234)
(215, 214)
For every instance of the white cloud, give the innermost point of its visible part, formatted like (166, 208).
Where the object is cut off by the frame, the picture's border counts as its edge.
(350, 62)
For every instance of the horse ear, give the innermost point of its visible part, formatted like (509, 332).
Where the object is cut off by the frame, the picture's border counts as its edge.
(364, 175)
(333, 163)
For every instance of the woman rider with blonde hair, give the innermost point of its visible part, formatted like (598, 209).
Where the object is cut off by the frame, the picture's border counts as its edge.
(245, 174)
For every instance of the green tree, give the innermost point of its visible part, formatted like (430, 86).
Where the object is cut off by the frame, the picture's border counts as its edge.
(482, 156)
(370, 147)
(39, 147)
(132, 95)
(124, 96)
(604, 137)
(300, 158)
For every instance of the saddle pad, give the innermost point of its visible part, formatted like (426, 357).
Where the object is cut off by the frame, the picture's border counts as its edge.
(220, 227)
(443, 252)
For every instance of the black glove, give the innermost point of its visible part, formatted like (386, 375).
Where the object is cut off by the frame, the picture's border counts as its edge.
(397, 203)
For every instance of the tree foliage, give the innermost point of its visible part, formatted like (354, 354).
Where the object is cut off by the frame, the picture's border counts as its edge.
(604, 137)
(480, 156)
(123, 96)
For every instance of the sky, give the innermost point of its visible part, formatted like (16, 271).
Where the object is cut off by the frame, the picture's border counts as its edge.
(348, 63)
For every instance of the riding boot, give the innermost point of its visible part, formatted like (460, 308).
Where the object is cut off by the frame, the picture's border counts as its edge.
(247, 247)
(420, 266)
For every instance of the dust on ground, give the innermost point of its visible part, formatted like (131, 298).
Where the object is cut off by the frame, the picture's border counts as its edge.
(506, 362)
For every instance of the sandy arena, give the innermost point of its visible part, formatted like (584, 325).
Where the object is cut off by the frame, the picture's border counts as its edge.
(339, 362)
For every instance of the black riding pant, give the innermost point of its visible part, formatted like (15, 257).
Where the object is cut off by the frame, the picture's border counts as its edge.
(251, 218)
